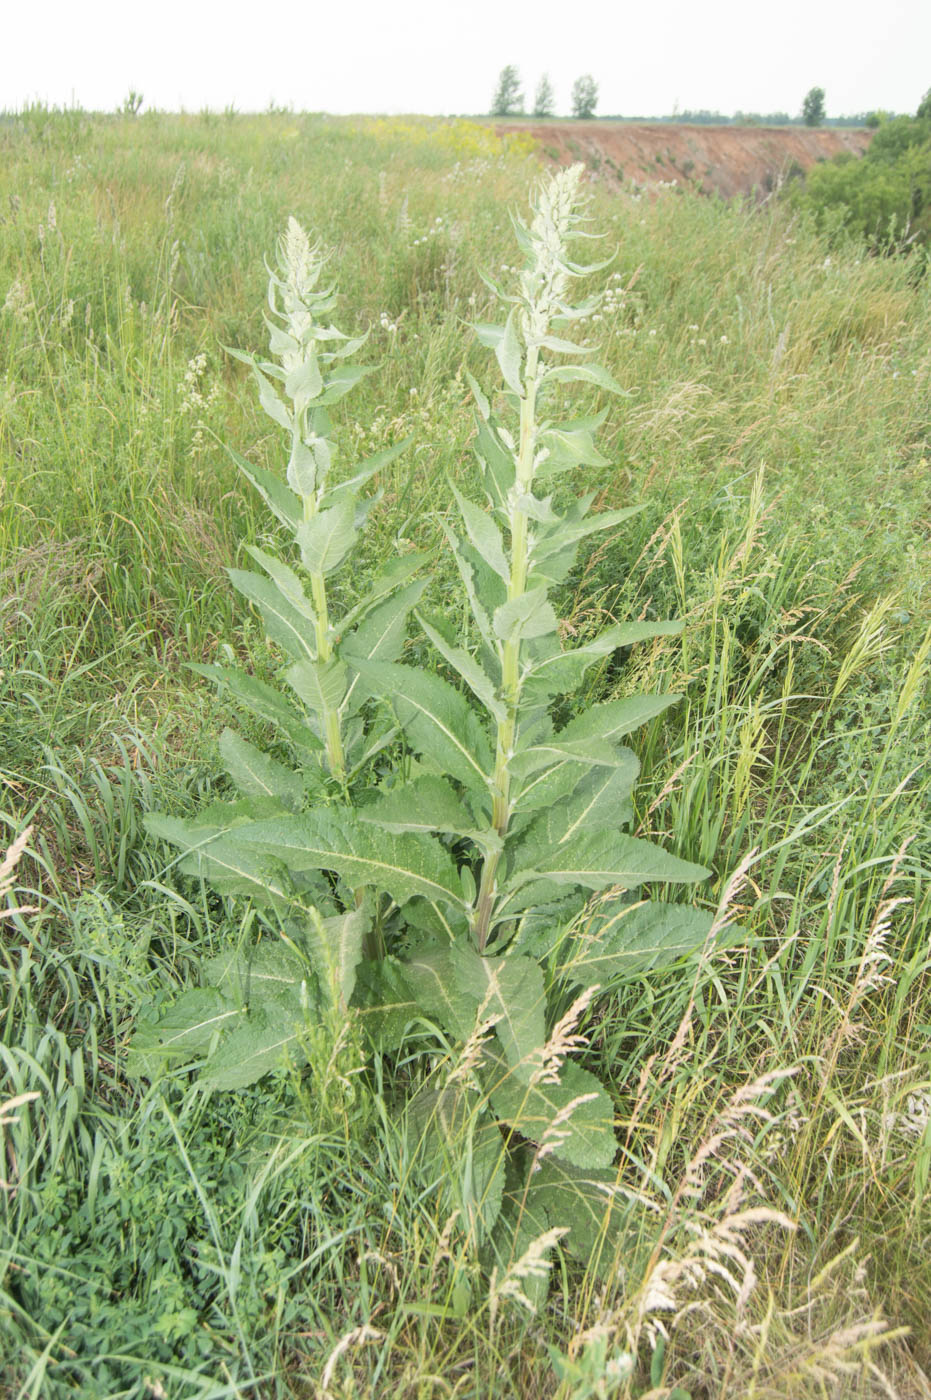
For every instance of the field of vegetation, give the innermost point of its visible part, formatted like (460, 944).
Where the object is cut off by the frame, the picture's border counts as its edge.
(771, 1098)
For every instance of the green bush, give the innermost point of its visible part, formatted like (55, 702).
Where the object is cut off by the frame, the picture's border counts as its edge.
(885, 197)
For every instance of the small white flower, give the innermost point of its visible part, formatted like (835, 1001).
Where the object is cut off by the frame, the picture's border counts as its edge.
(723, 339)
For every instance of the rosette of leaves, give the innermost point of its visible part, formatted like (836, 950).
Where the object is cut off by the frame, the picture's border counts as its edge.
(490, 873)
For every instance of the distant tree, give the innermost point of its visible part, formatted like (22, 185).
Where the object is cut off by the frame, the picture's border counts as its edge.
(131, 103)
(924, 107)
(584, 97)
(544, 99)
(813, 107)
(508, 97)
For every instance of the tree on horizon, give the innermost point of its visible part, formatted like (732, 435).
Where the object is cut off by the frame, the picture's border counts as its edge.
(508, 97)
(544, 100)
(813, 112)
(584, 97)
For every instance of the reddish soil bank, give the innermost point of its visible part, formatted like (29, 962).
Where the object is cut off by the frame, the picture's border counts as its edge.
(726, 160)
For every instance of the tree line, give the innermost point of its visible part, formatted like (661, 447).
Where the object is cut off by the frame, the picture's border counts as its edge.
(508, 99)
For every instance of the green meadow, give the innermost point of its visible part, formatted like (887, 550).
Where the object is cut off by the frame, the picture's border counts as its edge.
(772, 1099)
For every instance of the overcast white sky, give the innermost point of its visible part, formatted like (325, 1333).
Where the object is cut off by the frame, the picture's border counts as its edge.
(435, 57)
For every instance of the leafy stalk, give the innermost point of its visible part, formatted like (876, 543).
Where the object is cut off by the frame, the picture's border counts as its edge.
(459, 886)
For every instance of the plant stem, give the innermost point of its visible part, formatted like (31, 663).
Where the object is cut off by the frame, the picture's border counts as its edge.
(510, 651)
(331, 722)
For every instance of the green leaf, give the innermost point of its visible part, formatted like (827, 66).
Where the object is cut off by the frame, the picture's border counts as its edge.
(255, 1047)
(431, 977)
(613, 719)
(633, 939)
(596, 860)
(305, 382)
(280, 500)
(584, 1201)
(336, 950)
(327, 537)
(320, 684)
(383, 1004)
(484, 534)
(510, 988)
(467, 574)
(283, 623)
(365, 470)
(496, 463)
(427, 804)
(271, 402)
(265, 702)
(509, 354)
(339, 381)
(563, 671)
(379, 637)
(584, 374)
(527, 616)
(270, 972)
(254, 772)
(464, 1151)
(334, 839)
(437, 720)
(600, 800)
(567, 447)
(469, 668)
(585, 1138)
(287, 581)
(185, 1031)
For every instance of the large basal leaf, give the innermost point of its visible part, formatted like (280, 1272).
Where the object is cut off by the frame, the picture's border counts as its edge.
(431, 978)
(258, 1044)
(383, 1004)
(181, 1032)
(254, 772)
(336, 950)
(510, 989)
(462, 1149)
(438, 720)
(583, 1201)
(268, 973)
(632, 940)
(584, 1134)
(334, 839)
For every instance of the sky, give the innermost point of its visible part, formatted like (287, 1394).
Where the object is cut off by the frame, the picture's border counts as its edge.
(435, 57)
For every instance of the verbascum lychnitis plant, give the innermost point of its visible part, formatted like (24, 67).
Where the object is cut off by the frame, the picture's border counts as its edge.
(482, 880)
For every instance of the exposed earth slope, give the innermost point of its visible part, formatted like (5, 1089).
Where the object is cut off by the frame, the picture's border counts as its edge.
(726, 160)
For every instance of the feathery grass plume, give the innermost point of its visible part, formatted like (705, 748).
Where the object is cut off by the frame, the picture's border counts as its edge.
(7, 870)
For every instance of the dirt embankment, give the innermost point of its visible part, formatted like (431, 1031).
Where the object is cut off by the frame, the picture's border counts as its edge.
(725, 160)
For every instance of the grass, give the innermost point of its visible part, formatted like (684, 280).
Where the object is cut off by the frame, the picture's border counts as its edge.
(774, 1110)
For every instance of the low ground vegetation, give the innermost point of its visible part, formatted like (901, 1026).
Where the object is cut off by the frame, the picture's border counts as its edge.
(772, 1102)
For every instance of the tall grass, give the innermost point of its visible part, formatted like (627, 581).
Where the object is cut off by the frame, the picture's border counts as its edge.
(156, 1241)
